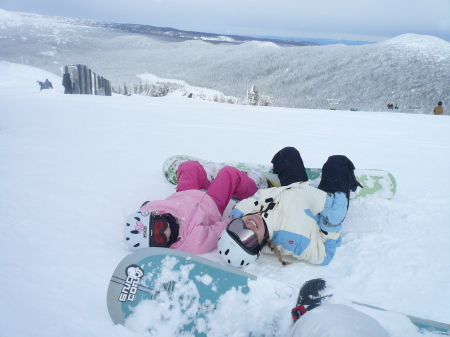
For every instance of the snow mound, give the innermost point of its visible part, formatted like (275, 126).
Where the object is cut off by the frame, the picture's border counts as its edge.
(416, 40)
(264, 44)
(15, 19)
(260, 44)
(421, 43)
(9, 19)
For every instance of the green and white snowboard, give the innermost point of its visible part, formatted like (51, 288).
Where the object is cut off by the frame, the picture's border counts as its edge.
(375, 182)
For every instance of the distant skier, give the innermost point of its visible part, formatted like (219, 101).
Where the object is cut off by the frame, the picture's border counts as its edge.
(42, 85)
(439, 109)
(48, 84)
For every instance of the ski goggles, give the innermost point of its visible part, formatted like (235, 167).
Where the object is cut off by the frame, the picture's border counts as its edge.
(246, 237)
(157, 227)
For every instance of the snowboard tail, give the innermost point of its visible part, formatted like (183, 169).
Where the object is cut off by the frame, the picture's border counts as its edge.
(375, 182)
(421, 323)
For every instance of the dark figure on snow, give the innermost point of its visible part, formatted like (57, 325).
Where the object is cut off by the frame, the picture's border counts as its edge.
(67, 84)
(439, 109)
(42, 85)
(48, 84)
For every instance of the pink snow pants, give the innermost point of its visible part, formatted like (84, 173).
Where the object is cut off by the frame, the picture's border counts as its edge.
(229, 183)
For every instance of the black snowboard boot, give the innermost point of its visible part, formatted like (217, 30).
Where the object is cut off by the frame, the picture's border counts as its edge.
(308, 297)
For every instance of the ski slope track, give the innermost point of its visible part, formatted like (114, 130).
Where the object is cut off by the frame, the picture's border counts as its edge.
(74, 167)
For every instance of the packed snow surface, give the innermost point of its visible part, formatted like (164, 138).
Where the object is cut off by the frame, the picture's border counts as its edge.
(74, 167)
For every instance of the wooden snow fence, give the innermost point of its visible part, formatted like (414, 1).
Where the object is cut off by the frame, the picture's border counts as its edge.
(79, 79)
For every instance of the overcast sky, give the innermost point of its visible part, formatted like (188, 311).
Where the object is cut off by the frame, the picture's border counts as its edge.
(367, 20)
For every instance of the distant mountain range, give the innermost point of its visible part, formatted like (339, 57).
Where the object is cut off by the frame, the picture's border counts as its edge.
(410, 70)
(183, 35)
(168, 33)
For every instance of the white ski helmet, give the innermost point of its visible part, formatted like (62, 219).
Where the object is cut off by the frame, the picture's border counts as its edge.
(233, 253)
(145, 229)
(238, 245)
(136, 230)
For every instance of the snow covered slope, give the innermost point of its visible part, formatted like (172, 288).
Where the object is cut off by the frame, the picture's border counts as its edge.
(73, 168)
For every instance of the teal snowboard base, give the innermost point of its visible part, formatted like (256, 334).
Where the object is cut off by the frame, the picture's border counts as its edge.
(186, 283)
(375, 182)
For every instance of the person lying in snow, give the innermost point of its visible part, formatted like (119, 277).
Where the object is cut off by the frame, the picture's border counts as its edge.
(191, 219)
(295, 219)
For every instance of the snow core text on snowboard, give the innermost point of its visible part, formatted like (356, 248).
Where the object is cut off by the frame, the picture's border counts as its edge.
(375, 182)
(151, 281)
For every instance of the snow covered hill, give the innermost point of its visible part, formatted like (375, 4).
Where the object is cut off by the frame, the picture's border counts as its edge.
(410, 70)
(74, 167)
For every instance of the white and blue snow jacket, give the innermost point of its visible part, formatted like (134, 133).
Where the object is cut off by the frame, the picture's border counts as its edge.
(291, 214)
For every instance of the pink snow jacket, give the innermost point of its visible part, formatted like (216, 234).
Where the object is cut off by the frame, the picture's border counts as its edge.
(198, 216)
